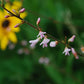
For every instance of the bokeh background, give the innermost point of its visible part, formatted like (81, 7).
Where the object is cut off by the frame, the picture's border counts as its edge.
(59, 18)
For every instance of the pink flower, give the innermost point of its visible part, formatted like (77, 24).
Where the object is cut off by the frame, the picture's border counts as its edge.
(72, 38)
(66, 51)
(38, 21)
(74, 53)
(53, 43)
(34, 42)
(44, 42)
(41, 34)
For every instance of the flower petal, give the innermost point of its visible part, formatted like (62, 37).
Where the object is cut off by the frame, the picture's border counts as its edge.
(4, 43)
(12, 37)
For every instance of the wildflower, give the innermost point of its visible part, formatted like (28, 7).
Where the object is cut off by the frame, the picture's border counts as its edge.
(34, 42)
(38, 21)
(53, 43)
(7, 30)
(44, 42)
(41, 34)
(72, 38)
(14, 8)
(66, 51)
(82, 49)
(74, 53)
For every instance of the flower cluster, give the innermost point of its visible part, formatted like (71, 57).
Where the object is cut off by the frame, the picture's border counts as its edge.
(67, 50)
(43, 35)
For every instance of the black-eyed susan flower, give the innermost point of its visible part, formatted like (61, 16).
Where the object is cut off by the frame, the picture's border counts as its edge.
(7, 30)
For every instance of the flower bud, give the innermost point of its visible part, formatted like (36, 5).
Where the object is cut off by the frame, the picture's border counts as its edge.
(7, 16)
(72, 38)
(22, 10)
(74, 53)
(17, 25)
(38, 21)
(53, 43)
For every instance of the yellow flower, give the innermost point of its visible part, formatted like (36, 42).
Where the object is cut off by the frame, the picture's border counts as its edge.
(7, 30)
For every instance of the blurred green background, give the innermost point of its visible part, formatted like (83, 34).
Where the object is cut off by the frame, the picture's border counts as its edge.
(59, 18)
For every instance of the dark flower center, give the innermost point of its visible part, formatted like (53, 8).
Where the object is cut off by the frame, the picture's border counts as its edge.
(5, 23)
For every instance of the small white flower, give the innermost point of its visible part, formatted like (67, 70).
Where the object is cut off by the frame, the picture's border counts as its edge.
(74, 53)
(53, 43)
(34, 42)
(44, 42)
(66, 51)
(72, 38)
(41, 34)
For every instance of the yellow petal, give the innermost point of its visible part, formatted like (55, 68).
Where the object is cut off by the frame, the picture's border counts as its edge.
(4, 43)
(16, 5)
(15, 29)
(1, 14)
(23, 15)
(7, 6)
(12, 37)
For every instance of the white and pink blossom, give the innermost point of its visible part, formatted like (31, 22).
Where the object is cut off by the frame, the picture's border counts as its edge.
(53, 43)
(66, 51)
(72, 38)
(41, 34)
(45, 42)
(34, 42)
